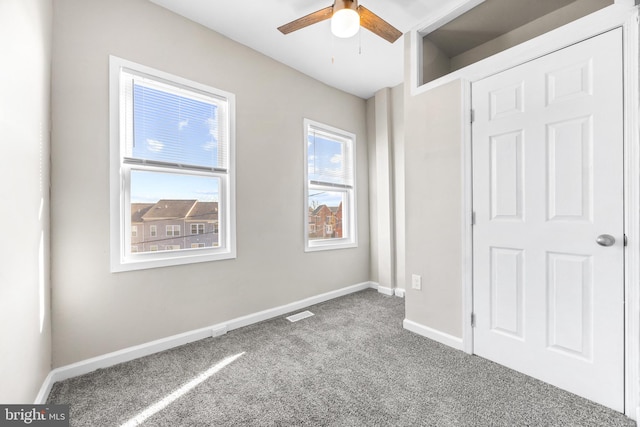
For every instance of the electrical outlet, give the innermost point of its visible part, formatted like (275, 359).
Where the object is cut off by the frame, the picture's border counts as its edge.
(416, 282)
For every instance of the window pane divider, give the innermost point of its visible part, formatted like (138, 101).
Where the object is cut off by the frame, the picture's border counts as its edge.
(134, 161)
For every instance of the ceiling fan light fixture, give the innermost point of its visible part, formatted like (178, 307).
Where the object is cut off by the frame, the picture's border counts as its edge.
(346, 18)
(345, 23)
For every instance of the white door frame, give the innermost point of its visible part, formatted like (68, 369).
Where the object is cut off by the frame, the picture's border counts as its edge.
(622, 14)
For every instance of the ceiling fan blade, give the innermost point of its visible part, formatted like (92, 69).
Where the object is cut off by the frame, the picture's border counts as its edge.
(305, 21)
(377, 25)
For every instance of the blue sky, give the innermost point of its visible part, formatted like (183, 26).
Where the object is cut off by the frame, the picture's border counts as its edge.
(325, 163)
(173, 128)
(149, 187)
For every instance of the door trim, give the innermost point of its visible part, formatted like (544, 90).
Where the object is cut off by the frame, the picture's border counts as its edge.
(628, 20)
(631, 68)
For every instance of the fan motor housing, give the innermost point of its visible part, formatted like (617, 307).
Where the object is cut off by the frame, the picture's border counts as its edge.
(345, 4)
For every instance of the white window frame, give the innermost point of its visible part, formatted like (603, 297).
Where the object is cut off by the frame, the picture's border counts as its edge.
(153, 231)
(122, 258)
(349, 237)
(134, 231)
(197, 245)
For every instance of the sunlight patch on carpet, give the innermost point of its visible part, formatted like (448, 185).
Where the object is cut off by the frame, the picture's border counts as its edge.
(169, 399)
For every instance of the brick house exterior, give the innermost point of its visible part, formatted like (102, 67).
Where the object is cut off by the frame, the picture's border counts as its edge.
(325, 222)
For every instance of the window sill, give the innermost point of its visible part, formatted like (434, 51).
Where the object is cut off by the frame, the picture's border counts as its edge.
(315, 246)
(143, 261)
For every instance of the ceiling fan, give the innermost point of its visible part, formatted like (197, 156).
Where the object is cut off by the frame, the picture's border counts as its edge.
(346, 18)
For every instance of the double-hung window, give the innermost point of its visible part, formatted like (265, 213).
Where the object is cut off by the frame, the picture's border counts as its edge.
(172, 161)
(173, 230)
(330, 208)
(197, 228)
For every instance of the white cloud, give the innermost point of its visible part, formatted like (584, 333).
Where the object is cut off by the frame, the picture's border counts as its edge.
(210, 145)
(155, 146)
(207, 196)
(212, 123)
(337, 158)
(183, 124)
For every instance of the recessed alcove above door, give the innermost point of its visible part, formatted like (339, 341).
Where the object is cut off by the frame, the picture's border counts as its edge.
(492, 26)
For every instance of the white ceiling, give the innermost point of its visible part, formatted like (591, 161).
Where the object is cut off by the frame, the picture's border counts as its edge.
(360, 65)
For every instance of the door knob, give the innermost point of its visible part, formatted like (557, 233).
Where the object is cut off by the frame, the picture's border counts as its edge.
(605, 240)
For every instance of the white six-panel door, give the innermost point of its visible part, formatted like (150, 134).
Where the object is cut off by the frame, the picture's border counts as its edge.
(547, 182)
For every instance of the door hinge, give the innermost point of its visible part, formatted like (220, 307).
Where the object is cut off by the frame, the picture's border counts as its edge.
(473, 115)
(473, 320)
(625, 240)
(473, 218)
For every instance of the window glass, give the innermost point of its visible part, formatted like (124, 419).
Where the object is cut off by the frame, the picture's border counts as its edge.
(168, 127)
(330, 187)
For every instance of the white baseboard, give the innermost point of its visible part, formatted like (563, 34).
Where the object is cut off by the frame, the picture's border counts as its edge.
(45, 389)
(399, 292)
(124, 355)
(283, 309)
(386, 291)
(135, 352)
(433, 334)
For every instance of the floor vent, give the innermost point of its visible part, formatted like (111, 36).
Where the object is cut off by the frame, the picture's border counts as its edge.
(299, 316)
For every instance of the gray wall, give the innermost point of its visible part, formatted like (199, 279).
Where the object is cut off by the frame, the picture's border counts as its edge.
(95, 311)
(385, 125)
(435, 63)
(381, 192)
(397, 120)
(433, 204)
(25, 327)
